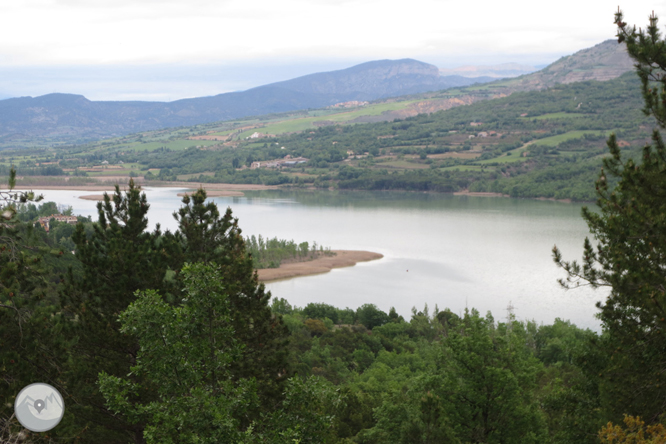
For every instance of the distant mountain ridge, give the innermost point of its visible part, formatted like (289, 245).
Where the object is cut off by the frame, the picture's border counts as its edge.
(70, 116)
(378, 79)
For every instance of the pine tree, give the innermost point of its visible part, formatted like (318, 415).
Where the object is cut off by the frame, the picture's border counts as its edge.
(28, 307)
(630, 255)
(120, 258)
(206, 237)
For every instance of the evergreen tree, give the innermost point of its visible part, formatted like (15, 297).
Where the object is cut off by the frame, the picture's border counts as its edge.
(630, 255)
(206, 237)
(28, 308)
(118, 259)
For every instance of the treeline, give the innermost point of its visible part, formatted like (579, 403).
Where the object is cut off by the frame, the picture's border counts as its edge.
(447, 377)
(25, 170)
(270, 253)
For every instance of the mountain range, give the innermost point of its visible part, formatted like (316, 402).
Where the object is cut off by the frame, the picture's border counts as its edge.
(73, 118)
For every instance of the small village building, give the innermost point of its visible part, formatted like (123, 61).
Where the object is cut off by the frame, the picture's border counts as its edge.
(44, 221)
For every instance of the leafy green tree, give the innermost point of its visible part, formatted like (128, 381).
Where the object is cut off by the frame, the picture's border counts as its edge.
(488, 381)
(630, 255)
(371, 316)
(318, 310)
(476, 384)
(186, 355)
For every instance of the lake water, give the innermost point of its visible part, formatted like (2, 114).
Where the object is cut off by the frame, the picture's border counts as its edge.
(444, 250)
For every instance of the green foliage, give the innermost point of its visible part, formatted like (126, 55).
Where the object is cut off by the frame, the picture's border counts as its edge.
(318, 310)
(488, 382)
(29, 283)
(270, 253)
(371, 316)
(184, 357)
(628, 258)
(648, 49)
(205, 236)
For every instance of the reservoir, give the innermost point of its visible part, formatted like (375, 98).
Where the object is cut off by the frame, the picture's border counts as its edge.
(454, 252)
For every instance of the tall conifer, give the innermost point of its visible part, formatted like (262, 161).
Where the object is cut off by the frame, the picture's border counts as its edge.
(120, 258)
(630, 255)
(210, 238)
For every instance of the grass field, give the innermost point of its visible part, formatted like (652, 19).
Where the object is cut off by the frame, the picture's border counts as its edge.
(455, 155)
(305, 123)
(556, 140)
(403, 164)
(174, 145)
(504, 158)
(551, 116)
(464, 168)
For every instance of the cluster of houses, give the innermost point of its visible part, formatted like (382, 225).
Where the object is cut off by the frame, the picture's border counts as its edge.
(44, 221)
(287, 162)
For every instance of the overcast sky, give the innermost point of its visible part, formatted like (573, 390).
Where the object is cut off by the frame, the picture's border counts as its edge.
(171, 49)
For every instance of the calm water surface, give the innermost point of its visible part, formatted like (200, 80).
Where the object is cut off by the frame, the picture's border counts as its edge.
(444, 250)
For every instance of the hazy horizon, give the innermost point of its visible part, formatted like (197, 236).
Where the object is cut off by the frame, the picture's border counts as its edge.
(166, 82)
(171, 49)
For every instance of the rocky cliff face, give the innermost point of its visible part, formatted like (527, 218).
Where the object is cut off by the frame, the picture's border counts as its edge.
(604, 61)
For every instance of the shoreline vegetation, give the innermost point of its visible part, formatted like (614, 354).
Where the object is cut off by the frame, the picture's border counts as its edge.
(320, 265)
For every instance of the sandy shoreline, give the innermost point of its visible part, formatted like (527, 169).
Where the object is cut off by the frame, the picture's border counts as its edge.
(343, 258)
(92, 197)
